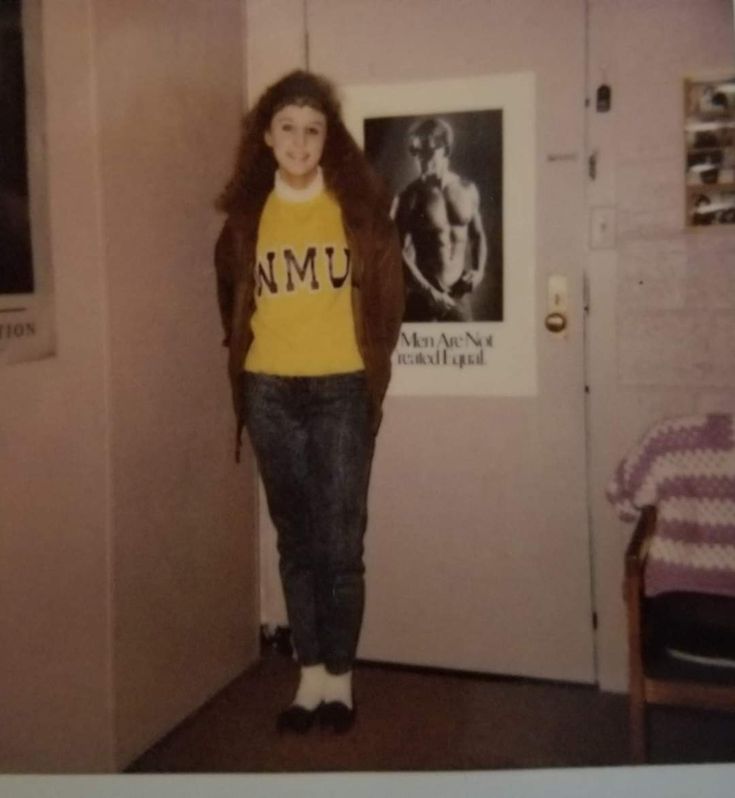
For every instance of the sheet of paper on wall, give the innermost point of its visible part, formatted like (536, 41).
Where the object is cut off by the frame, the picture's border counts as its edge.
(26, 296)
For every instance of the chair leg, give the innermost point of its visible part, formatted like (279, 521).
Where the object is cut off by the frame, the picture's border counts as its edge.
(633, 593)
(636, 689)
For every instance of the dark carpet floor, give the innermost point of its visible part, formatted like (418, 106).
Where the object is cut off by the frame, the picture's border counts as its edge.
(414, 720)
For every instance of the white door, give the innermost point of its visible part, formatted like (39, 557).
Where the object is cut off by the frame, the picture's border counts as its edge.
(478, 547)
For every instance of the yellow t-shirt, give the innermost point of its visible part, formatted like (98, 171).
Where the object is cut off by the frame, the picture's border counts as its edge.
(303, 323)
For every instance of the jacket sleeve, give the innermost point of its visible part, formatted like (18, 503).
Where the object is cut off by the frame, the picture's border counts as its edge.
(389, 263)
(224, 260)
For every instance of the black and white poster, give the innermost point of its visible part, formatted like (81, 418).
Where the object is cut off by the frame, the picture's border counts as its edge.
(458, 157)
(26, 328)
(445, 172)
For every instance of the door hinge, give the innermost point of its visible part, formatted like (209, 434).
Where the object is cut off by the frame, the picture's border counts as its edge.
(592, 166)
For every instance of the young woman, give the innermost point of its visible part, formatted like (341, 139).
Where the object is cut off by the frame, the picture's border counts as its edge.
(310, 288)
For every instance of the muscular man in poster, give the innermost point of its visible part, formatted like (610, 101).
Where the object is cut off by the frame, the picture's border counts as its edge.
(438, 219)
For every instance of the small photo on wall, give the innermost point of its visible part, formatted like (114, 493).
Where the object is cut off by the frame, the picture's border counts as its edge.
(706, 135)
(713, 208)
(711, 98)
(707, 167)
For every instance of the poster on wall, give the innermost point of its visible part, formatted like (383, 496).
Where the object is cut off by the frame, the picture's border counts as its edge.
(26, 319)
(458, 157)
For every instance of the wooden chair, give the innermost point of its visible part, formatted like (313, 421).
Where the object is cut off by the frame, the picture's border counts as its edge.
(658, 674)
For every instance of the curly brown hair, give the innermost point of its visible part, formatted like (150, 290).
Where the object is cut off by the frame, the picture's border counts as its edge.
(347, 173)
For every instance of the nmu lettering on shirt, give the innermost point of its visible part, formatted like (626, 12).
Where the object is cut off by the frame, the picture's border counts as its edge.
(297, 274)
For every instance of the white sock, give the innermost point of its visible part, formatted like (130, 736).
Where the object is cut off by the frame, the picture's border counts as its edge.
(311, 686)
(338, 687)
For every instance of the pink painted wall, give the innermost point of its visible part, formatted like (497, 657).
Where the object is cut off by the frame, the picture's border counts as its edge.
(169, 91)
(127, 560)
(55, 578)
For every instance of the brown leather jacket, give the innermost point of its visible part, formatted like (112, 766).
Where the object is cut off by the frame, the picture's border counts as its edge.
(377, 297)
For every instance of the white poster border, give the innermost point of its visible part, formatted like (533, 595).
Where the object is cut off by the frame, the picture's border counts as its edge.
(508, 364)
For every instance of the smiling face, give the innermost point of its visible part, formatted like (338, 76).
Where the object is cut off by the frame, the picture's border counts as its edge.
(296, 135)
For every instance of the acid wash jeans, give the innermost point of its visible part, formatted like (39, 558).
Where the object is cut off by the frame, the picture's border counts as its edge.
(314, 445)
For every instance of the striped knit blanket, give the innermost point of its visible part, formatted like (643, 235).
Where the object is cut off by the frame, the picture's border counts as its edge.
(685, 467)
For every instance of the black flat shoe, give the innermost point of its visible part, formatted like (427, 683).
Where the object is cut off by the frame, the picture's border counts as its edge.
(295, 719)
(336, 716)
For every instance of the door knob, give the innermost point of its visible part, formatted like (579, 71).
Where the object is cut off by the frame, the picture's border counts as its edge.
(556, 322)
